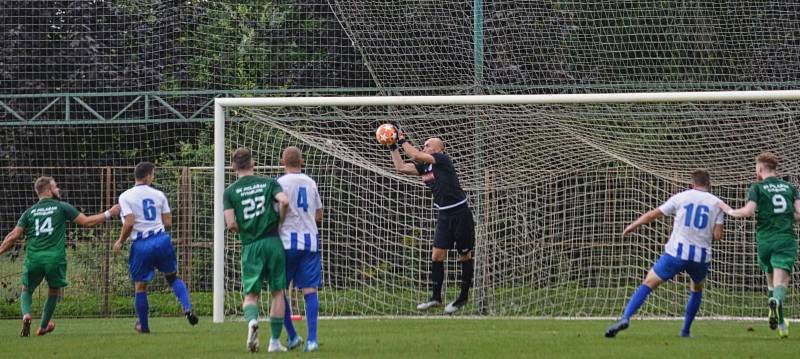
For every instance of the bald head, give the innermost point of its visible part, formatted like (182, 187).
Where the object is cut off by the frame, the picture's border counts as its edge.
(292, 158)
(433, 145)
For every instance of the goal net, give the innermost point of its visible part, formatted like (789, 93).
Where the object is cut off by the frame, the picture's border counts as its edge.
(552, 181)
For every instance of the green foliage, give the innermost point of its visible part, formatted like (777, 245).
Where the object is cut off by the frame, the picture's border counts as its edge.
(234, 47)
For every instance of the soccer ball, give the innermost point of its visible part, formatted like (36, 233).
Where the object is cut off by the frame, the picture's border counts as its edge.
(386, 134)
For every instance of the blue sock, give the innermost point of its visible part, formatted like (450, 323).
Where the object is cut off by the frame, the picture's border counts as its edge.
(692, 306)
(142, 309)
(287, 319)
(180, 291)
(636, 301)
(312, 311)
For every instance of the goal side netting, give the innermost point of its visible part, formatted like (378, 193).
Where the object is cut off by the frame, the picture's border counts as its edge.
(552, 182)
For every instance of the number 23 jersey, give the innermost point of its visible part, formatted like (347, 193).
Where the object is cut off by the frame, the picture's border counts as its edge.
(251, 197)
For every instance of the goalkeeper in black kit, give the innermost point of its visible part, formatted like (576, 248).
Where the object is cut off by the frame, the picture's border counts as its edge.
(455, 228)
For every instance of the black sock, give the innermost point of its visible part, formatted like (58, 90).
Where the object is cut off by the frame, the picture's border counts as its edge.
(467, 272)
(437, 277)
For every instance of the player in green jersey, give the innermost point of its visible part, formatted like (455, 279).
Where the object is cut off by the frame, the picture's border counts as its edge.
(774, 202)
(249, 211)
(45, 226)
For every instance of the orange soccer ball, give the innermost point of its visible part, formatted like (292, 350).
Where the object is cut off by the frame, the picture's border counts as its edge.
(386, 134)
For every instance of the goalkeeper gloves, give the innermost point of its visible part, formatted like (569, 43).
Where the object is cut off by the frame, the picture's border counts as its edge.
(401, 135)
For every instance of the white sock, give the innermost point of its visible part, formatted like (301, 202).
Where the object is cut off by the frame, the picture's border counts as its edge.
(252, 322)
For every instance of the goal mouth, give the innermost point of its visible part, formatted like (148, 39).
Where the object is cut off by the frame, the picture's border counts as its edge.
(552, 180)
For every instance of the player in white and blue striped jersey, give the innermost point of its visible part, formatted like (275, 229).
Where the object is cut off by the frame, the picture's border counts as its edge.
(300, 238)
(698, 222)
(146, 220)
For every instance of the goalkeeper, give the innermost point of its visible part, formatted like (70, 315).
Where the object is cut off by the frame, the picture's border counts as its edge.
(455, 227)
(688, 249)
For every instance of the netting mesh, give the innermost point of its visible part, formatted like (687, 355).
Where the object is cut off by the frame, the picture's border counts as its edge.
(56, 46)
(551, 187)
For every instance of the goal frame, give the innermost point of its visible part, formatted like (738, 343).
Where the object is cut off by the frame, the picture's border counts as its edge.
(221, 104)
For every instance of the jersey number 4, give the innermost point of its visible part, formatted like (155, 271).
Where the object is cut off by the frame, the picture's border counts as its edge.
(698, 218)
(302, 198)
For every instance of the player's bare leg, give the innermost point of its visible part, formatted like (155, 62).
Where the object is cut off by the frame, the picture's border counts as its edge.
(438, 256)
(650, 283)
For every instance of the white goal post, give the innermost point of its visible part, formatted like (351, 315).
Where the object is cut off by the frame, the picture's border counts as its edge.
(222, 105)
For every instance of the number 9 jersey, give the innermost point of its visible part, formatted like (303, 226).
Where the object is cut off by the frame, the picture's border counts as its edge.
(774, 200)
(251, 199)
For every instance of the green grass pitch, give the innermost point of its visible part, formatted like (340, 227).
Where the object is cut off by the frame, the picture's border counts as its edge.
(406, 338)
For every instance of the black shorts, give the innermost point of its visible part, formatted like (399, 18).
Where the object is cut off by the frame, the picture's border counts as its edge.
(455, 229)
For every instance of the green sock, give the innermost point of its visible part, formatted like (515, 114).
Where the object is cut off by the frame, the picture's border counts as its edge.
(250, 313)
(25, 298)
(49, 308)
(780, 293)
(275, 326)
(770, 292)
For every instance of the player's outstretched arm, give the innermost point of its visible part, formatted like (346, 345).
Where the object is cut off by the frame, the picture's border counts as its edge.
(95, 219)
(11, 238)
(416, 154)
(401, 166)
(127, 229)
(748, 210)
(644, 219)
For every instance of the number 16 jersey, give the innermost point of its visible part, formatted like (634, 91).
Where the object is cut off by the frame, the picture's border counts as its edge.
(774, 200)
(250, 198)
(696, 213)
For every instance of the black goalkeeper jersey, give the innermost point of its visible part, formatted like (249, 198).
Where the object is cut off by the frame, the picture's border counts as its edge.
(441, 178)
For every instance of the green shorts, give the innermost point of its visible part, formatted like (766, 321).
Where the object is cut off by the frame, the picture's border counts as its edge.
(780, 254)
(262, 260)
(54, 273)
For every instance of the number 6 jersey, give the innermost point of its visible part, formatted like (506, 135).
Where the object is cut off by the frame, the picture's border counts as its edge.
(146, 204)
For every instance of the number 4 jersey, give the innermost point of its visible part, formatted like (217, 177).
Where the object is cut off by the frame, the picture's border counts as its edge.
(299, 230)
(45, 225)
(774, 209)
(696, 213)
(146, 204)
(250, 198)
